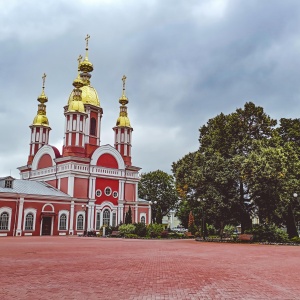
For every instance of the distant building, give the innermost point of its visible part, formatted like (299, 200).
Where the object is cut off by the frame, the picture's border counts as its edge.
(88, 184)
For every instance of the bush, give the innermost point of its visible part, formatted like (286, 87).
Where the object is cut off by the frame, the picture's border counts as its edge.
(126, 229)
(268, 233)
(131, 235)
(228, 230)
(155, 230)
(295, 240)
(140, 229)
(211, 230)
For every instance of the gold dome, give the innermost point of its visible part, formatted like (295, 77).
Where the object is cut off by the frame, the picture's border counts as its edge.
(123, 122)
(86, 66)
(89, 96)
(40, 120)
(76, 105)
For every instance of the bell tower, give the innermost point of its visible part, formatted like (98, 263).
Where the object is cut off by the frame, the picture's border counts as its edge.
(123, 129)
(40, 126)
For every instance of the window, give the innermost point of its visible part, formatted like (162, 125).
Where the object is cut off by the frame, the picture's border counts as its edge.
(98, 193)
(143, 219)
(63, 222)
(114, 219)
(80, 222)
(93, 126)
(8, 183)
(115, 194)
(106, 217)
(4, 217)
(107, 191)
(98, 221)
(29, 221)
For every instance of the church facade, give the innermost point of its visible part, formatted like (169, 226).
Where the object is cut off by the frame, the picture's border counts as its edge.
(97, 184)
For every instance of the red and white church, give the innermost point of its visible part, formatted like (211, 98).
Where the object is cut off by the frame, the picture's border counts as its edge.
(84, 186)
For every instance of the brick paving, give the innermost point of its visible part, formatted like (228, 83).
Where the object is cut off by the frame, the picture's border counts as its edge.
(99, 268)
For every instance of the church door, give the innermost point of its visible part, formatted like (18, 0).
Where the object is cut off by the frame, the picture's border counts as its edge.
(46, 227)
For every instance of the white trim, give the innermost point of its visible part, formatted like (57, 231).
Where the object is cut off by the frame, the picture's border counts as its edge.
(46, 149)
(143, 215)
(9, 211)
(78, 213)
(63, 212)
(28, 211)
(108, 149)
(48, 204)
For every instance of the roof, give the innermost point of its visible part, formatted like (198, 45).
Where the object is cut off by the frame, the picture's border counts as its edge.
(30, 187)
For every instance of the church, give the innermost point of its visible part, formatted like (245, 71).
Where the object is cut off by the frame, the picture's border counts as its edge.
(85, 185)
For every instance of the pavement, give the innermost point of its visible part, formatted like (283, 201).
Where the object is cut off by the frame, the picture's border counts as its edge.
(112, 268)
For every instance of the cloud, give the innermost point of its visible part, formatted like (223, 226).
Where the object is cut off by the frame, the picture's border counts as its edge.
(185, 62)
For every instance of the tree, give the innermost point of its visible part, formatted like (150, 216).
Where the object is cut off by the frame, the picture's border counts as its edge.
(159, 215)
(128, 216)
(160, 187)
(214, 172)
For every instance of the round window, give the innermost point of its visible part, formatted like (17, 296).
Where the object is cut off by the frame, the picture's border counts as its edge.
(98, 193)
(107, 191)
(115, 194)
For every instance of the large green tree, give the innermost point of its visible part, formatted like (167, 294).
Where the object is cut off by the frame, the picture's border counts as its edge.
(225, 142)
(159, 187)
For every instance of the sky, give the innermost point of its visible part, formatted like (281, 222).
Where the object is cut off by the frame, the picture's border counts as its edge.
(185, 62)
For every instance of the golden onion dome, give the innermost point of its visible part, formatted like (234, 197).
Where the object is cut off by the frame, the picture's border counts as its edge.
(86, 66)
(78, 83)
(123, 121)
(40, 120)
(89, 95)
(42, 98)
(76, 106)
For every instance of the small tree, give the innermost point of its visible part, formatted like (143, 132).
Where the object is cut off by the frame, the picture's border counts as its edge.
(192, 228)
(128, 216)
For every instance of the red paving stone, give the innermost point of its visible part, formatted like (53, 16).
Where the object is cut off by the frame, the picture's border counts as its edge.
(99, 268)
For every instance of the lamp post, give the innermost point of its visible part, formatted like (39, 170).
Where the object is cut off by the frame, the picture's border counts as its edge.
(151, 204)
(85, 208)
(203, 218)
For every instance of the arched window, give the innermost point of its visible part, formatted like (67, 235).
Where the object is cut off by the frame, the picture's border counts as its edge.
(80, 222)
(106, 217)
(143, 219)
(4, 217)
(63, 222)
(29, 221)
(93, 126)
(98, 221)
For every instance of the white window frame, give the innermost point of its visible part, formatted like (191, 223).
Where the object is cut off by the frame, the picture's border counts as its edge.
(26, 212)
(110, 216)
(61, 212)
(141, 216)
(107, 194)
(115, 194)
(83, 214)
(77, 216)
(7, 210)
(98, 192)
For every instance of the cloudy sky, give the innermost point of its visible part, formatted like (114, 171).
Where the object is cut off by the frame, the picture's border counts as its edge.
(185, 62)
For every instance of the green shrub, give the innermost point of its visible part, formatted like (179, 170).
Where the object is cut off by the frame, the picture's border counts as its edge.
(197, 234)
(155, 230)
(228, 230)
(126, 229)
(295, 240)
(211, 230)
(131, 235)
(140, 229)
(268, 233)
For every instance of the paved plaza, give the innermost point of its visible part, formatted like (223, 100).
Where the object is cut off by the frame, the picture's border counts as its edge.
(111, 268)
